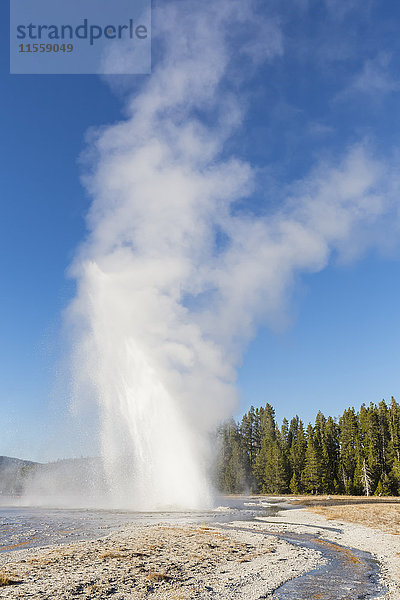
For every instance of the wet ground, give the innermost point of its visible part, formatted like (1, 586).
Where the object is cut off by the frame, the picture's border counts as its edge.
(347, 574)
(26, 527)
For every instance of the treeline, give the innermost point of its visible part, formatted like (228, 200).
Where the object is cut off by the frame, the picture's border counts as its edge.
(357, 453)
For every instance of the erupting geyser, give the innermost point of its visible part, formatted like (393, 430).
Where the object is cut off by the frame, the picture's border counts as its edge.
(173, 275)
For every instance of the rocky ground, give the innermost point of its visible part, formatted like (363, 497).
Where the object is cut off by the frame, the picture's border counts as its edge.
(384, 546)
(157, 563)
(167, 562)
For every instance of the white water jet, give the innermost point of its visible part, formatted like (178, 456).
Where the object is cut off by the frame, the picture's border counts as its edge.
(172, 278)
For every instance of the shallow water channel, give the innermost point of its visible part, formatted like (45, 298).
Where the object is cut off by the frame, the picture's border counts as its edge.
(348, 573)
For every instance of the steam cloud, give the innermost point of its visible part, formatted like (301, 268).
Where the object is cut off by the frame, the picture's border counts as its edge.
(175, 274)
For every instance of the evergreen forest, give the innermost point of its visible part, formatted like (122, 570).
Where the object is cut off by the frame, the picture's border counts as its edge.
(357, 453)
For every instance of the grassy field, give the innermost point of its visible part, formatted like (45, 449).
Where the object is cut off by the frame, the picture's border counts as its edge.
(381, 513)
(325, 500)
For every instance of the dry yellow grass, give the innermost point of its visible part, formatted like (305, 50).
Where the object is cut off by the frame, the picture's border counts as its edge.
(7, 579)
(39, 561)
(384, 516)
(112, 554)
(153, 576)
(348, 555)
(337, 499)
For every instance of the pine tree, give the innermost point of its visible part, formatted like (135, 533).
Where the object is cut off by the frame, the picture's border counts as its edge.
(268, 438)
(294, 484)
(249, 442)
(386, 457)
(394, 443)
(331, 452)
(383, 487)
(285, 438)
(348, 442)
(257, 431)
(312, 473)
(231, 466)
(394, 428)
(275, 471)
(297, 449)
(327, 433)
(373, 445)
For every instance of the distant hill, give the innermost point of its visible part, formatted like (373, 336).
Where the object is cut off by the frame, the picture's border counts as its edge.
(13, 472)
(66, 477)
(7, 461)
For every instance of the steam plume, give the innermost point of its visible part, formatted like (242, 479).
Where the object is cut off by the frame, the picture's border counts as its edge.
(174, 275)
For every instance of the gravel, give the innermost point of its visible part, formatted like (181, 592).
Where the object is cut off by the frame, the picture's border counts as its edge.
(159, 563)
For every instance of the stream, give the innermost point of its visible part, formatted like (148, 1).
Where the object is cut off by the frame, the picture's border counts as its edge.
(348, 574)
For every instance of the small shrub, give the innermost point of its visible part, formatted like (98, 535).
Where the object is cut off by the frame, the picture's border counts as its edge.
(6, 579)
(152, 576)
(112, 555)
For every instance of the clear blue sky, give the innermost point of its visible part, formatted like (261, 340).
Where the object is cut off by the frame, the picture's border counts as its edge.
(337, 83)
